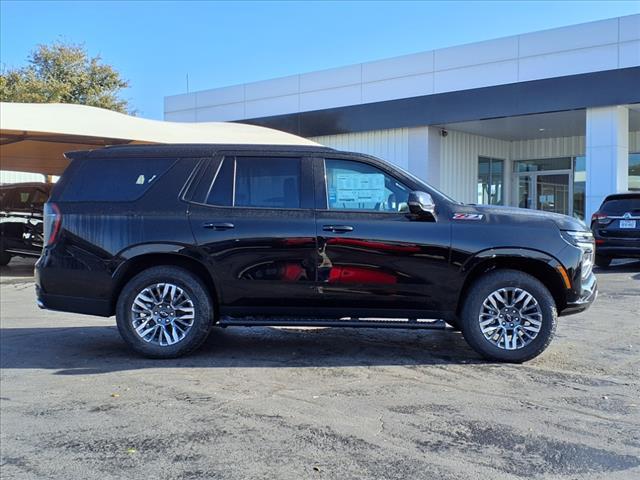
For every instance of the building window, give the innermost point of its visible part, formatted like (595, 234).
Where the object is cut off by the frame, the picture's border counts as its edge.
(490, 181)
(634, 171)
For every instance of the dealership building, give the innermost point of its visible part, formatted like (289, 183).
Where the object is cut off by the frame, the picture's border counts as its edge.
(547, 120)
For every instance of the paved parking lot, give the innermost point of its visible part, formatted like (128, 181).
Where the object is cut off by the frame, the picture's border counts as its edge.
(318, 403)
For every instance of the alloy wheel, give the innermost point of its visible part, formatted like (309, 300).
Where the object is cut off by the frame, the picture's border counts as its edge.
(162, 314)
(510, 318)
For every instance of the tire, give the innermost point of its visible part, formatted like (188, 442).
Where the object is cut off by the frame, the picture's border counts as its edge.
(602, 262)
(191, 332)
(5, 258)
(514, 282)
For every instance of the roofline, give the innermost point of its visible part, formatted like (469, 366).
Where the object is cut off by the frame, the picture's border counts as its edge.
(571, 92)
(189, 150)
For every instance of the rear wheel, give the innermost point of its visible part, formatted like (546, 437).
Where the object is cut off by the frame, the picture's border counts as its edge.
(509, 316)
(164, 312)
(602, 262)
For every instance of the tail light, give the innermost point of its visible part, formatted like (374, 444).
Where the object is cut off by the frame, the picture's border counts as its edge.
(601, 218)
(52, 222)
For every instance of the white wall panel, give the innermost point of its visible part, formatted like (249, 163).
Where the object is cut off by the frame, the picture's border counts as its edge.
(390, 145)
(334, 97)
(474, 53)
(220, 96)
(477, 76)
(569, 63)
(221, 113)
(547, 148)
(393, 88)
(181, 116)
(568, 38)
(271, 106)
(332, 78)
(276, 87)
(180, 102)
(629, 54)
(459, 166)
(629, 28)
(406, 65)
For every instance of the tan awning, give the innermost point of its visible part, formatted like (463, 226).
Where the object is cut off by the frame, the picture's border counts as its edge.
(34, 137)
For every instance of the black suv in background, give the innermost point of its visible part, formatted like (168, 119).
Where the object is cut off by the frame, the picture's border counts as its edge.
(21, 207)
(616, 228)
(176, 239)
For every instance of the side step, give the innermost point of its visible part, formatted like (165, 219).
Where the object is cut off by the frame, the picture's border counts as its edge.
(311, 322)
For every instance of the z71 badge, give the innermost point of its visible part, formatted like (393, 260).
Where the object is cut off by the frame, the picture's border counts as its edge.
(468, 216)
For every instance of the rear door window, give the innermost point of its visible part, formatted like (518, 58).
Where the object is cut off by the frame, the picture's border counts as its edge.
(116, 180)
(267, 182)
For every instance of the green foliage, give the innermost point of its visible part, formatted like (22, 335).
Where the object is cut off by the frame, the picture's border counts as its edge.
(64, 73)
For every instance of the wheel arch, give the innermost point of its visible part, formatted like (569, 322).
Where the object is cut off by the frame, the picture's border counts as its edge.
(539, 265)
(137, 263)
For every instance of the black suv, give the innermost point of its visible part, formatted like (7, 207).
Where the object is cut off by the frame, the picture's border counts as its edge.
(21, 207)
(616, 228)
(176, 239)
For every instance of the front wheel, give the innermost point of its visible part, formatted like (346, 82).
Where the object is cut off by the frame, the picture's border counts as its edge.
(164, 312)
(509, 316)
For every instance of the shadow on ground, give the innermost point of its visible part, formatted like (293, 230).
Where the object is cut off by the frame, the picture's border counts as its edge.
(18, 270)
(93, 350)
(620, 266)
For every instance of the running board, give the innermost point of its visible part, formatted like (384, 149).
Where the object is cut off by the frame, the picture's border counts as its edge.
(310, 322)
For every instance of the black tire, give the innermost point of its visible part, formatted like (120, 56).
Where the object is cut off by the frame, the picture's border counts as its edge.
(489, 283)
(602, 262)
(204, 311)
(5, 258)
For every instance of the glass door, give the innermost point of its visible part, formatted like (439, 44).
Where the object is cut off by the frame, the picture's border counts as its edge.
(552, 193)
(547, 191)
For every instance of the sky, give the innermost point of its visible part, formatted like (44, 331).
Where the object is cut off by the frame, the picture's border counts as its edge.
(156, 45)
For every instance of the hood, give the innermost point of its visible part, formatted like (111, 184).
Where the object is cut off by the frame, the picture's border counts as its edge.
(500, 214)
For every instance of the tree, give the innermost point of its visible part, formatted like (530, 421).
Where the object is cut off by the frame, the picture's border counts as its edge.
(64, 73)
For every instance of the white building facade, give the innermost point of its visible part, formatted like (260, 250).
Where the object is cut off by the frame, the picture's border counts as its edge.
(547, 120)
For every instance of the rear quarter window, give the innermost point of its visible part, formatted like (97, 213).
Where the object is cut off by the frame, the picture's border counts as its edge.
(114, 179)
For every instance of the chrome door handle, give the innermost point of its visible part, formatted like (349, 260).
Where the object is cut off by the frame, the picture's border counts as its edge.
(337, 228)
(218, 226)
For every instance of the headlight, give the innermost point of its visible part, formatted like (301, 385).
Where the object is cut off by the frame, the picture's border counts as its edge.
(584, 241)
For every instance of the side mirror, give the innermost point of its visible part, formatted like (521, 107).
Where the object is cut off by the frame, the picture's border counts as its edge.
(421, 204)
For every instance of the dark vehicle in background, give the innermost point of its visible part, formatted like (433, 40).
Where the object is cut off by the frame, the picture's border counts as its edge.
(616, 228)
(174, 240)
(21, 207)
